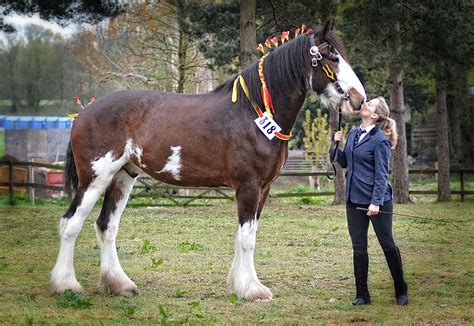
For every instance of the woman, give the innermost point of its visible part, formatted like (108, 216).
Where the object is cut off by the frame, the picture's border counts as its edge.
(369, 196)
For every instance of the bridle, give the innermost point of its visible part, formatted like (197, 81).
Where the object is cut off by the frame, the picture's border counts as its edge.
(318, 60)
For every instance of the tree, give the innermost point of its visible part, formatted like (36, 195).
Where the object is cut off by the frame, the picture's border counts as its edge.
(397, 104)
(147, 46)
(248, 34)
(329, 11)
(317, 133)
(442, 36)
(374, 28)
(37, 66)
(8, 68)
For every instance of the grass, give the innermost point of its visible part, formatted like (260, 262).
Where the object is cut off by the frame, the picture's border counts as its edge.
(180, 257)
(2, 144)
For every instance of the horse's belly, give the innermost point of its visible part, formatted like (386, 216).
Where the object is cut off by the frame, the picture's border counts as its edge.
(182, 168)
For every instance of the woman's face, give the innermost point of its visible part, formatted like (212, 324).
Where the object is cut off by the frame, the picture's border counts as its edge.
(368, 109)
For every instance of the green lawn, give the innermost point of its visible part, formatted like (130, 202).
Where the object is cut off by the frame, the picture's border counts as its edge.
(180, 257)
(2, 144)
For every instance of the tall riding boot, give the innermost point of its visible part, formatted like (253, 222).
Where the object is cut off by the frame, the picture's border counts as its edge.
(394, 261)
(361, 269)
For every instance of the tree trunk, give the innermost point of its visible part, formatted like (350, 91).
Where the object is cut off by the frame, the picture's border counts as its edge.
(182, 52)
(328, 11)
(14, 98)
(248, 33)
(444, 190)
(400, 163)
(455, 101)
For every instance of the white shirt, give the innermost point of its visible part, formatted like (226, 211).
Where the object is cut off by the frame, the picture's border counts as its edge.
(367, 130)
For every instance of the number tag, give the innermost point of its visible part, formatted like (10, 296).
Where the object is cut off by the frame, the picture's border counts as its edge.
(267, 125)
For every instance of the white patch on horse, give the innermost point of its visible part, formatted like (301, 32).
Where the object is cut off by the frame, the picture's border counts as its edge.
(134, 150)
(173, 164)
(347, 79)
(243, 280)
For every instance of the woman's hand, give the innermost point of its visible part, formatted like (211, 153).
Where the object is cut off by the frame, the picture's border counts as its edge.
(373, 210)
(338, 135)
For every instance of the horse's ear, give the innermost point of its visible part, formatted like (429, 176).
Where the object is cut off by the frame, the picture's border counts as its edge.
(328, 27)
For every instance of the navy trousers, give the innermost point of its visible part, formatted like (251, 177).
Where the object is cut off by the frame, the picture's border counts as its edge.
(358, 223)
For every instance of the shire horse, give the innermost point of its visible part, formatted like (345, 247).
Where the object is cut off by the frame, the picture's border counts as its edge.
(195, 140)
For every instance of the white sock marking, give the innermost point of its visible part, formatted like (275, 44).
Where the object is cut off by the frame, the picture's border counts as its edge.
(110, 267)
(63, 275)
(243, 280)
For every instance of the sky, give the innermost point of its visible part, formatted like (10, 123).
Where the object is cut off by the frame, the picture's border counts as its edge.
(21, 21)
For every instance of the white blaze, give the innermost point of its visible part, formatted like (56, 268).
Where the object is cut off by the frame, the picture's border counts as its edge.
(347, 79)
(173, 164)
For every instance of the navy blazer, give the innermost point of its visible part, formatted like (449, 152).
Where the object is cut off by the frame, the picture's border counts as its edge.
(367, 168)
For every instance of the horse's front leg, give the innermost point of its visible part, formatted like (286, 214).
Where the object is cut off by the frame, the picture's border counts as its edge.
(263, 199)
(243, 280)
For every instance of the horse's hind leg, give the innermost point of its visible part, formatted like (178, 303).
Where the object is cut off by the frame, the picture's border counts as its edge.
(63, 276)
(112, 276)
(243, 280)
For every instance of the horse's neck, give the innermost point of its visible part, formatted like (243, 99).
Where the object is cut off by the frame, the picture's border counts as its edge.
(287, 106)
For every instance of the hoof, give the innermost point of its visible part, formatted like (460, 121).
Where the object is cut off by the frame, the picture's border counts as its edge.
(402, 300)
(359, 301)
(60, 286)
(258, 292)
(253, 292)
(123, 287)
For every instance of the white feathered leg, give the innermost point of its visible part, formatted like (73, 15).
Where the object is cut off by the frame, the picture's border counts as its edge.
(112, 276)
(243, 280)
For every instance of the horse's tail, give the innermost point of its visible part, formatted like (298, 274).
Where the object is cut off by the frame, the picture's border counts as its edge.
(70, 172)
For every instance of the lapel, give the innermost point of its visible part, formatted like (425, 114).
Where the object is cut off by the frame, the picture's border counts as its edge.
(367, 137)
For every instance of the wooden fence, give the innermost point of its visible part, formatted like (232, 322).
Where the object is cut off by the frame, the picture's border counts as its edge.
(147, 187)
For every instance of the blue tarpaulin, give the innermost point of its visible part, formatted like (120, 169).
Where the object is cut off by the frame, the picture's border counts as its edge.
(31, 122)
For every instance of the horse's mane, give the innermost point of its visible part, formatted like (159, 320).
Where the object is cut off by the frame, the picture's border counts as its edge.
(285, 65)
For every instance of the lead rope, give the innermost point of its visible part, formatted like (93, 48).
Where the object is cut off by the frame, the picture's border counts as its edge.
(331, 171)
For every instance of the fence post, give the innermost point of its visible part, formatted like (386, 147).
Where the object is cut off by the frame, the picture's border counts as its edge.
(10, 183)
(461, 176)
(31, 172)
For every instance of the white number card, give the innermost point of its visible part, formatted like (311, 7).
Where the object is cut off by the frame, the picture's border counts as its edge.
(267, 125)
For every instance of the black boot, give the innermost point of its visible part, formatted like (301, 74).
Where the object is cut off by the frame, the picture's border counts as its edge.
(394, 261)
(361, 269)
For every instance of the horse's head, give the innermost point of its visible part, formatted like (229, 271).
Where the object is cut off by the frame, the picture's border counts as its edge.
(331, 75)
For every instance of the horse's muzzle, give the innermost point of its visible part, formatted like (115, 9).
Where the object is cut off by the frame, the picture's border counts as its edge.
(356, 99)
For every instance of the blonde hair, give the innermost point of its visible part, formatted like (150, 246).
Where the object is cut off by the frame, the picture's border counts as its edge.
(385, 123)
